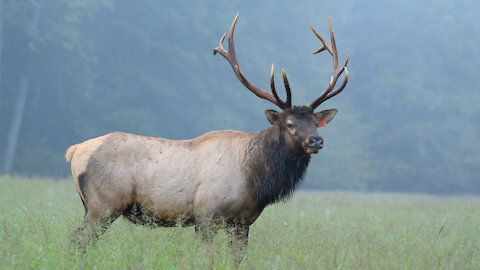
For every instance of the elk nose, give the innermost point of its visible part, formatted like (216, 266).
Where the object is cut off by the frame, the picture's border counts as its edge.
(315, 141)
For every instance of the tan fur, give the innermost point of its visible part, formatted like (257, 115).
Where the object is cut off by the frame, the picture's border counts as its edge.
(171, 179)
(70, 151)
(68, 157)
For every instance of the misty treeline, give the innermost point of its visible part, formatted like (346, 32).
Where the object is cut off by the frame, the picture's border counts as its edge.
(408, 120)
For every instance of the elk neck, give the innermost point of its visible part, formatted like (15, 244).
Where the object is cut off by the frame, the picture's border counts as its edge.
(274, 166)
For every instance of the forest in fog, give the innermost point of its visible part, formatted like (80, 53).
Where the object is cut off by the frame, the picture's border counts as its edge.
(408, 119)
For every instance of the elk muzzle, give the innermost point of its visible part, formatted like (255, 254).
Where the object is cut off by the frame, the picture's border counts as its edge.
(313, 144)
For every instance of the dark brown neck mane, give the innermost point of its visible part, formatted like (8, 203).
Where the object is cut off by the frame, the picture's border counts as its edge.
(274, 169)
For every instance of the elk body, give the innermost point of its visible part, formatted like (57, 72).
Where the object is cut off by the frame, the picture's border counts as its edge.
(222, 177)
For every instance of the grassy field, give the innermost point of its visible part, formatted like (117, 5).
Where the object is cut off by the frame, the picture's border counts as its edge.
(313, 230)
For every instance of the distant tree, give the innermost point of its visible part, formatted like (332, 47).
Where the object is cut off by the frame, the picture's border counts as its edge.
(41, 36)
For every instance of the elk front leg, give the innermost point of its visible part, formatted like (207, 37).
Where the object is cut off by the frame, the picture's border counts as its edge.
(238, 240)
(206, 230)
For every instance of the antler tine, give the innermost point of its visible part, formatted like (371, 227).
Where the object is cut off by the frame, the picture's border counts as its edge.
(220, 49)
(325, 45)
(283, 105)
(232, 59)
(230, 54)
(334, 46)
(272, 86)
(339, 89)
(231, 44)
(287, 89)
(327, 93)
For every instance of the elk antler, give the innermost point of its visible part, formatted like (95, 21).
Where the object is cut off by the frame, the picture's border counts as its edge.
(232, 59)
(328, 93)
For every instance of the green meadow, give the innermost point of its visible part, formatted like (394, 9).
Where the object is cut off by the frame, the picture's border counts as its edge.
(313, 230)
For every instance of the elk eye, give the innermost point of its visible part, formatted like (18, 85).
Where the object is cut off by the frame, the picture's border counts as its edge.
(289, 125)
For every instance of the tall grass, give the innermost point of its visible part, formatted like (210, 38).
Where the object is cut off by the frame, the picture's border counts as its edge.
(313, 230)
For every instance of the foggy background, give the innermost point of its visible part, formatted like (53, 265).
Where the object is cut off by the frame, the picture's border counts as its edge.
(408, 119)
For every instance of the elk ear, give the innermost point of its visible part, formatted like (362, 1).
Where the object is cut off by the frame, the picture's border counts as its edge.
(273, 117)
(324, 117)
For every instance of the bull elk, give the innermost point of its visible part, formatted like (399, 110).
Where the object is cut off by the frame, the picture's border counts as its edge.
(220, 178)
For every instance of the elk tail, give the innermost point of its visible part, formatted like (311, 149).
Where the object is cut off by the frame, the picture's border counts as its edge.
(70, 152)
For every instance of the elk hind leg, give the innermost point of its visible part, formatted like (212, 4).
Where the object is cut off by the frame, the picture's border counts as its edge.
(92, 229)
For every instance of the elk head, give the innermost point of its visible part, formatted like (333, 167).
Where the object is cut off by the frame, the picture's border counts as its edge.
(299, 122)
